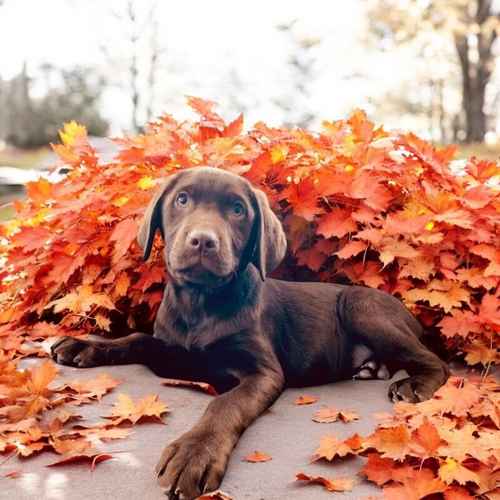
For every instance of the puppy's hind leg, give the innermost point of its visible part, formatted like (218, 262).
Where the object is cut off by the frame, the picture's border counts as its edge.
(366, 367)
(382, 323)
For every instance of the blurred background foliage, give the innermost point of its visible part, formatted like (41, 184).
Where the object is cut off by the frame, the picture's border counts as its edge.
(429, 66)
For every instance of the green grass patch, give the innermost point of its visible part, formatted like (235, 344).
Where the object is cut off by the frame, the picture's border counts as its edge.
(7, 212)
(482, 151)
(23, 159)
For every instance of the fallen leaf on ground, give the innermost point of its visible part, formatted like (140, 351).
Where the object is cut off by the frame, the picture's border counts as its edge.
(13, 474)
(392, 442)
(451, 471)
(457, 493)
(306, 400)
(199, 386)
(377, 469)
(92, 457)
(257, 456)
(348, 416)
(326, 415)
(101, 432)
(338, 484)
(426, 439)
(330, 447)
(421, 484)
(84, 391)
(125, 410)
(215, 495)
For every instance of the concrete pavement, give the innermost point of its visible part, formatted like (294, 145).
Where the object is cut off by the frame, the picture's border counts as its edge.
(286, 432)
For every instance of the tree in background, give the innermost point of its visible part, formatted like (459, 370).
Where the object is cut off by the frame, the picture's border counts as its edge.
(302, 63)
(142, 59)
(29, 121)
(471, 26)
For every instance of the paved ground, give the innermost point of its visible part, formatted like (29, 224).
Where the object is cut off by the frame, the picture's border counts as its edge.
(286, 432)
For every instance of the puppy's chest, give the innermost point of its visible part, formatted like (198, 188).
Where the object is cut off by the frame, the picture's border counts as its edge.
(197, 331)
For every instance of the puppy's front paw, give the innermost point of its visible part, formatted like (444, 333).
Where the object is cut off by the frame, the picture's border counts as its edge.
(192, 465)
(75, 352)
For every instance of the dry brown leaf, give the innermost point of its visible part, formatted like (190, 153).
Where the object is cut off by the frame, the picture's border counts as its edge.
(199, 386)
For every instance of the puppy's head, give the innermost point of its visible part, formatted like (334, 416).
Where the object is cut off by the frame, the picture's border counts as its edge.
(214, 224)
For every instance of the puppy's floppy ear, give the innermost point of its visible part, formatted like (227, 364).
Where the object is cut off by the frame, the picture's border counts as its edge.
(152, 219)
(267, 240)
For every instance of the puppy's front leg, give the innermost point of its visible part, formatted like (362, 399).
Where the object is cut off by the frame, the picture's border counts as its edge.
(195, 463)
(84, 353)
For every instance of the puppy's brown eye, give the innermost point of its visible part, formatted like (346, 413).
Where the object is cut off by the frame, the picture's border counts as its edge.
(182, 199)
(238, 209)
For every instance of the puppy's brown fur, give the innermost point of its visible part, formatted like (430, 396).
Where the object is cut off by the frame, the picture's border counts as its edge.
(223, 321)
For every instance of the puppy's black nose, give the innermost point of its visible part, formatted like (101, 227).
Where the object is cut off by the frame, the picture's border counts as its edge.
(204, 240)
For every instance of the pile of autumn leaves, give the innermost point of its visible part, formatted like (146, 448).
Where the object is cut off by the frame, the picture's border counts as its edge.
(38, 415)
(359, 204)
(448, 445)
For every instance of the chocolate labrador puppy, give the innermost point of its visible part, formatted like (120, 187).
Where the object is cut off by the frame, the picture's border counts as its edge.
(223, 321)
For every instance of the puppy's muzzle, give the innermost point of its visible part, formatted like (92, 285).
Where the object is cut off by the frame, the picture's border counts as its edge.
(203, 240)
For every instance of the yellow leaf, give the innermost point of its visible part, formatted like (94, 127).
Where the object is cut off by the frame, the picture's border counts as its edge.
(102, 322)
(349, 145)
(12, 226)
(146, 182)
(278, 153)
(119, 202)
(125, 409)
(71, 132)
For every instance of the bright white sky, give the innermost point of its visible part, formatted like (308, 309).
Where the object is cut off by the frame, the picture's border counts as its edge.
(205, 40)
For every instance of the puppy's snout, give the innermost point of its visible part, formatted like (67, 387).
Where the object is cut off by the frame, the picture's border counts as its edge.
(204, 240)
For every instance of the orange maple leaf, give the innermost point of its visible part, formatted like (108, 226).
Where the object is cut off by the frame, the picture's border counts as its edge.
(81, 391)
(306, 399)
(257, 456)
(418, 486)
(338, 484)
(81, 301)
(452, 471)
(125, 410)
(391, 443)
(330, 447)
